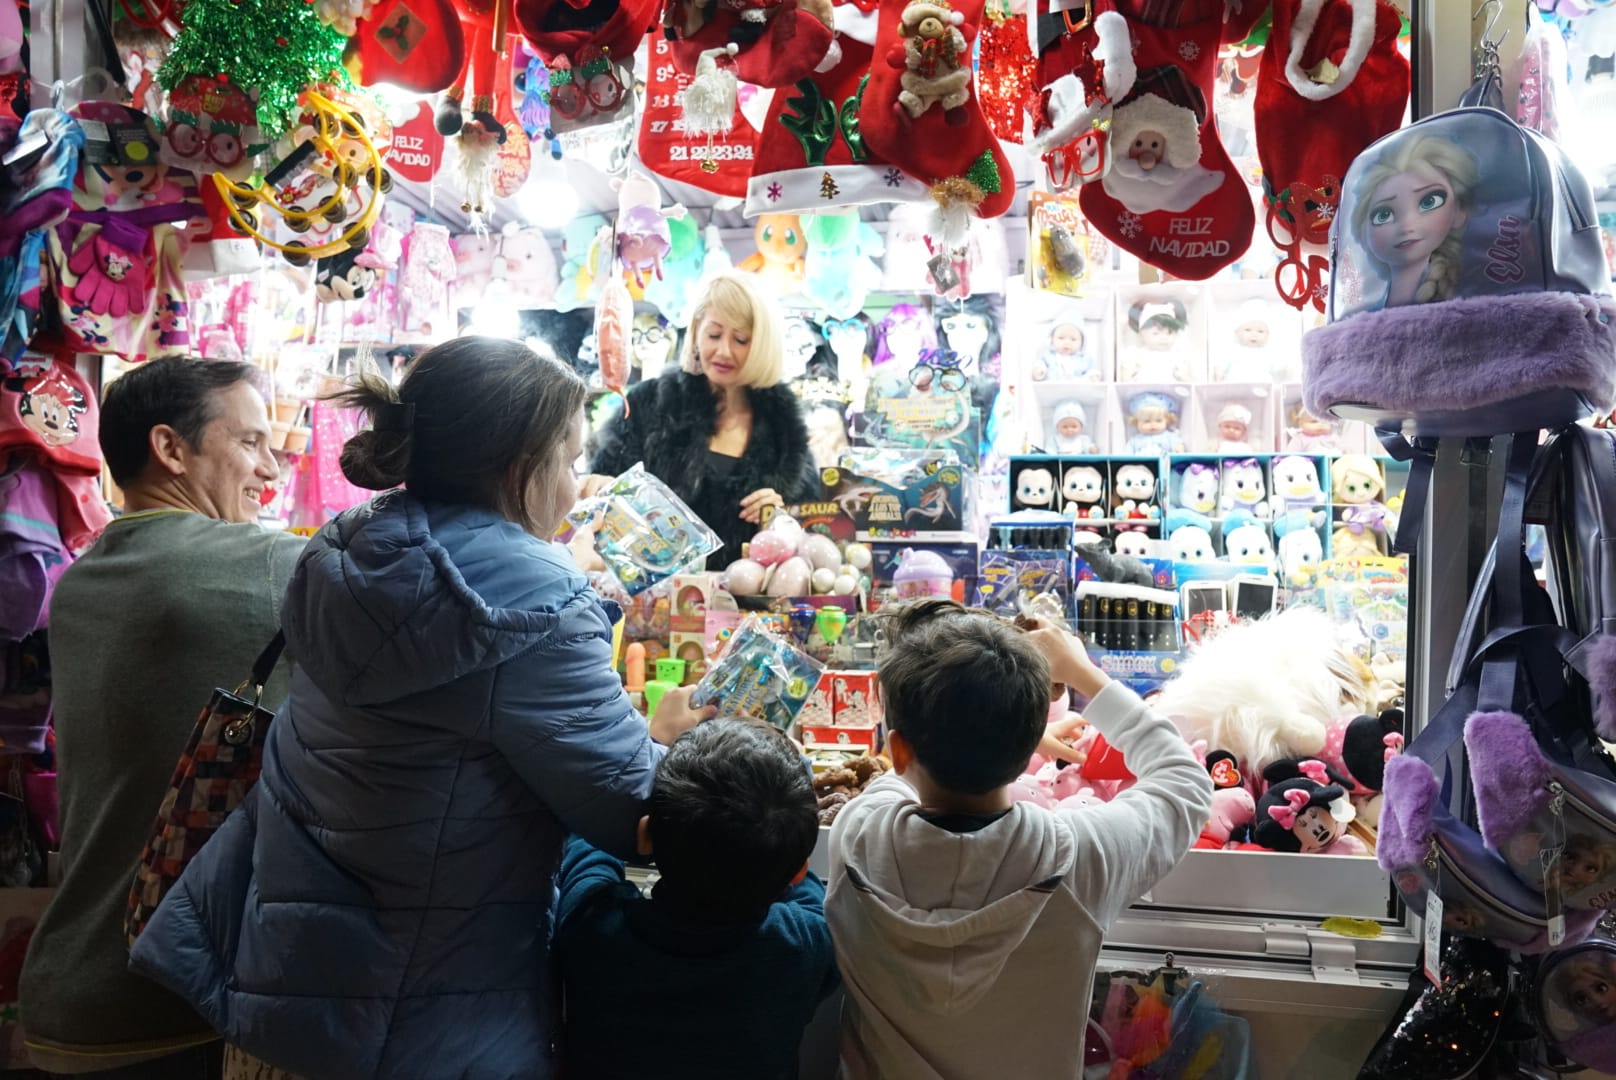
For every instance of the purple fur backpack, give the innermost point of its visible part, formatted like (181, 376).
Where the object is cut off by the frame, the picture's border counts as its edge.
(1469, 293)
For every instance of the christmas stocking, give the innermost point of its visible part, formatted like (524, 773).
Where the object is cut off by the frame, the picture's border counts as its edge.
(920, 111)
(1331, 69)
(812, 153)
(1172, 197)
(777, 42)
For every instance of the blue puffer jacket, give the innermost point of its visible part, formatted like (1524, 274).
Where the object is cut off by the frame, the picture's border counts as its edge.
(381, 905)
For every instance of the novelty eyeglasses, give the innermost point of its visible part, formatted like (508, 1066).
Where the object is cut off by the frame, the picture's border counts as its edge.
(593, 82)
(223, 148)
(1079, 161)
(652, 335)
(947, 376)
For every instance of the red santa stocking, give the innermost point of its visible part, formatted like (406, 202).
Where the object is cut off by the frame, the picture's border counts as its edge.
(1172, 197)
(920, 111)
(1331, 69)
(812, 153)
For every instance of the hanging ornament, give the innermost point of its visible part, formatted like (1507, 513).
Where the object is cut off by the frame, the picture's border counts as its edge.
(317, 181)
(1006, 73)
(709, 101)
(238, 41)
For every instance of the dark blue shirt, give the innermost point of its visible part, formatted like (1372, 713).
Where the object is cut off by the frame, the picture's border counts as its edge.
(651, 994)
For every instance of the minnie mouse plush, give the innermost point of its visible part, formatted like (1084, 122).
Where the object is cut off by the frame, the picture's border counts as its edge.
(1306, 809)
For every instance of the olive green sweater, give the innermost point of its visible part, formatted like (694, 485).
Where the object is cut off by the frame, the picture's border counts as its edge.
(164, 608)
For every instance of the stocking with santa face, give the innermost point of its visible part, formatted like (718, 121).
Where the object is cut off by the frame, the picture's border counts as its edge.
(1171, 195)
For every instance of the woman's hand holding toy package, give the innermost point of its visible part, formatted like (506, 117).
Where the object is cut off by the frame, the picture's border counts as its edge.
(760, 675)
(644, 533)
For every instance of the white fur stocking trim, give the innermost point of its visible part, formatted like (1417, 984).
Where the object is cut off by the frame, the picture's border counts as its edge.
(1363, 35)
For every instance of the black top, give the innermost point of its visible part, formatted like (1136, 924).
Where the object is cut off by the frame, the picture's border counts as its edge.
(668, 426)
(722, 465)
(962, 823)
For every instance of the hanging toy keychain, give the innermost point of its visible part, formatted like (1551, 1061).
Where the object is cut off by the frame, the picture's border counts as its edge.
(337, 155)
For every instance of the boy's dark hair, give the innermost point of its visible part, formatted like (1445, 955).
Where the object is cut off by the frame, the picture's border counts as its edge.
(733, 818)
(967, 690)
(174, 391)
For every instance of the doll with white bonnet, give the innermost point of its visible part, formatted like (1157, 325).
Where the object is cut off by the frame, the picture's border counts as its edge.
(1248, 357)
(1234, 429)
(1071, 429)
(1154, 419)
(1066, 356)
(1159, 354)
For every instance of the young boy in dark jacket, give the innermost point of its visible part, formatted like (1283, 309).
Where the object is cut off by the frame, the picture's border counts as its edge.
(717, 974)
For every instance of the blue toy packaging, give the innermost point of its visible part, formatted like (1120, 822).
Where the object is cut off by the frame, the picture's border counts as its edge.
(644, 532)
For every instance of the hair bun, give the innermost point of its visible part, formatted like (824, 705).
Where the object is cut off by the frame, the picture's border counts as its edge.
(377, 460)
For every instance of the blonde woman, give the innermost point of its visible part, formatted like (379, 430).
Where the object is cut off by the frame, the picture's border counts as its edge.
(722, 430)
(1410, 215)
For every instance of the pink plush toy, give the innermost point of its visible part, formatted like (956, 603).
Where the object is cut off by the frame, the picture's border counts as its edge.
(1232, 810)
(1026, 789)
(526, 262)
(474, 255)
(643, 238)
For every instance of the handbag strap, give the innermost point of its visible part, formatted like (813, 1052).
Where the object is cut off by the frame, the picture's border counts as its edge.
(264, 666)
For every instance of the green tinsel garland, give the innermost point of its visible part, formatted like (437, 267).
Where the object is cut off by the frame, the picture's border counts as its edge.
(276, 47)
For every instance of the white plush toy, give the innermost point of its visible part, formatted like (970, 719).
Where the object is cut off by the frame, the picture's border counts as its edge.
(1133, 542)
(1244, 488)
(1268, 689)
(1191, 543)
(1083, 489)
(1248, 545)
(1035, 489)
(1300, 552)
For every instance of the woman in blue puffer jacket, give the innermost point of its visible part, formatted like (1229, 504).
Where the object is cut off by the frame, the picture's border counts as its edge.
(381, 904)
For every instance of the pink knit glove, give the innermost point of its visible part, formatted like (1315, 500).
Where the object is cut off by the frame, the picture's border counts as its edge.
(112, 279)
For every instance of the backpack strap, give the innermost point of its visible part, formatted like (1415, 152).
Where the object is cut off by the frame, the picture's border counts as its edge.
(1420, 453)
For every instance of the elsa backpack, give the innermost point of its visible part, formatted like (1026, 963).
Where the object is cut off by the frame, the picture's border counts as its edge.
(1469, 293)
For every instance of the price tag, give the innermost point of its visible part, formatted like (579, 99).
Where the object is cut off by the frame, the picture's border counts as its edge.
(1554, 895)
(1433, 937)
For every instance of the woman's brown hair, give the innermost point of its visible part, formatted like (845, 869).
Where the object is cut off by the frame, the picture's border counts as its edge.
(473, 421)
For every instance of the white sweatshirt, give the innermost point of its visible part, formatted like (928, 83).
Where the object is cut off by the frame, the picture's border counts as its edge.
(971, 955)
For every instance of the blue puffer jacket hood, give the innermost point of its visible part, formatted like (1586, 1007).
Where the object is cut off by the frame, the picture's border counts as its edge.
(413, 622)
(380, 906)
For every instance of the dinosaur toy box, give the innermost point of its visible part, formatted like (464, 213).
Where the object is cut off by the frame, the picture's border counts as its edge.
(894, 493)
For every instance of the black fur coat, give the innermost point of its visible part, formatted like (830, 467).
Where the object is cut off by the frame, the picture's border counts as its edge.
(669, 421)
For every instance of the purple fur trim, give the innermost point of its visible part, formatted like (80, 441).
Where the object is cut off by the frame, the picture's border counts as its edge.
(1463, 354)
(1405, 819)
(1509, 773)
(1600, 668)
(1594, 1049)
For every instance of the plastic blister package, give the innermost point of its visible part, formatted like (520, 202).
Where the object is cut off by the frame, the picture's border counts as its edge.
(761, 675)
(646, 534)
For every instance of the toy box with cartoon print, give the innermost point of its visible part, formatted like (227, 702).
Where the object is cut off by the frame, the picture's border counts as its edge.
(844, 712)
(910, 495)
(960, 558)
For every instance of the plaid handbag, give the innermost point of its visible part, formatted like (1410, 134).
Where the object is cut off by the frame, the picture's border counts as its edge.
(219, 766)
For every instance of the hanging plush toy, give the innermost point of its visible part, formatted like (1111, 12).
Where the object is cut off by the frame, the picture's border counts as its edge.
(643, 238)
(781, 252)
(347, 275)
(840, 271)
(614, 318)
(675, 293)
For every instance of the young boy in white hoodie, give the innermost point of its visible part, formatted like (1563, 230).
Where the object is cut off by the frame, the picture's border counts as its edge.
(967, 925)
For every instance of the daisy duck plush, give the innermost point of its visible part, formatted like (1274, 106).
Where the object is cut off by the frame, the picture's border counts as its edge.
(1198, 488)
(1244, 488)
(1296, 488)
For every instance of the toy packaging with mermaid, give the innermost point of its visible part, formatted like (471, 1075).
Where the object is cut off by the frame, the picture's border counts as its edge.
(643, 531)
(1469, 293)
